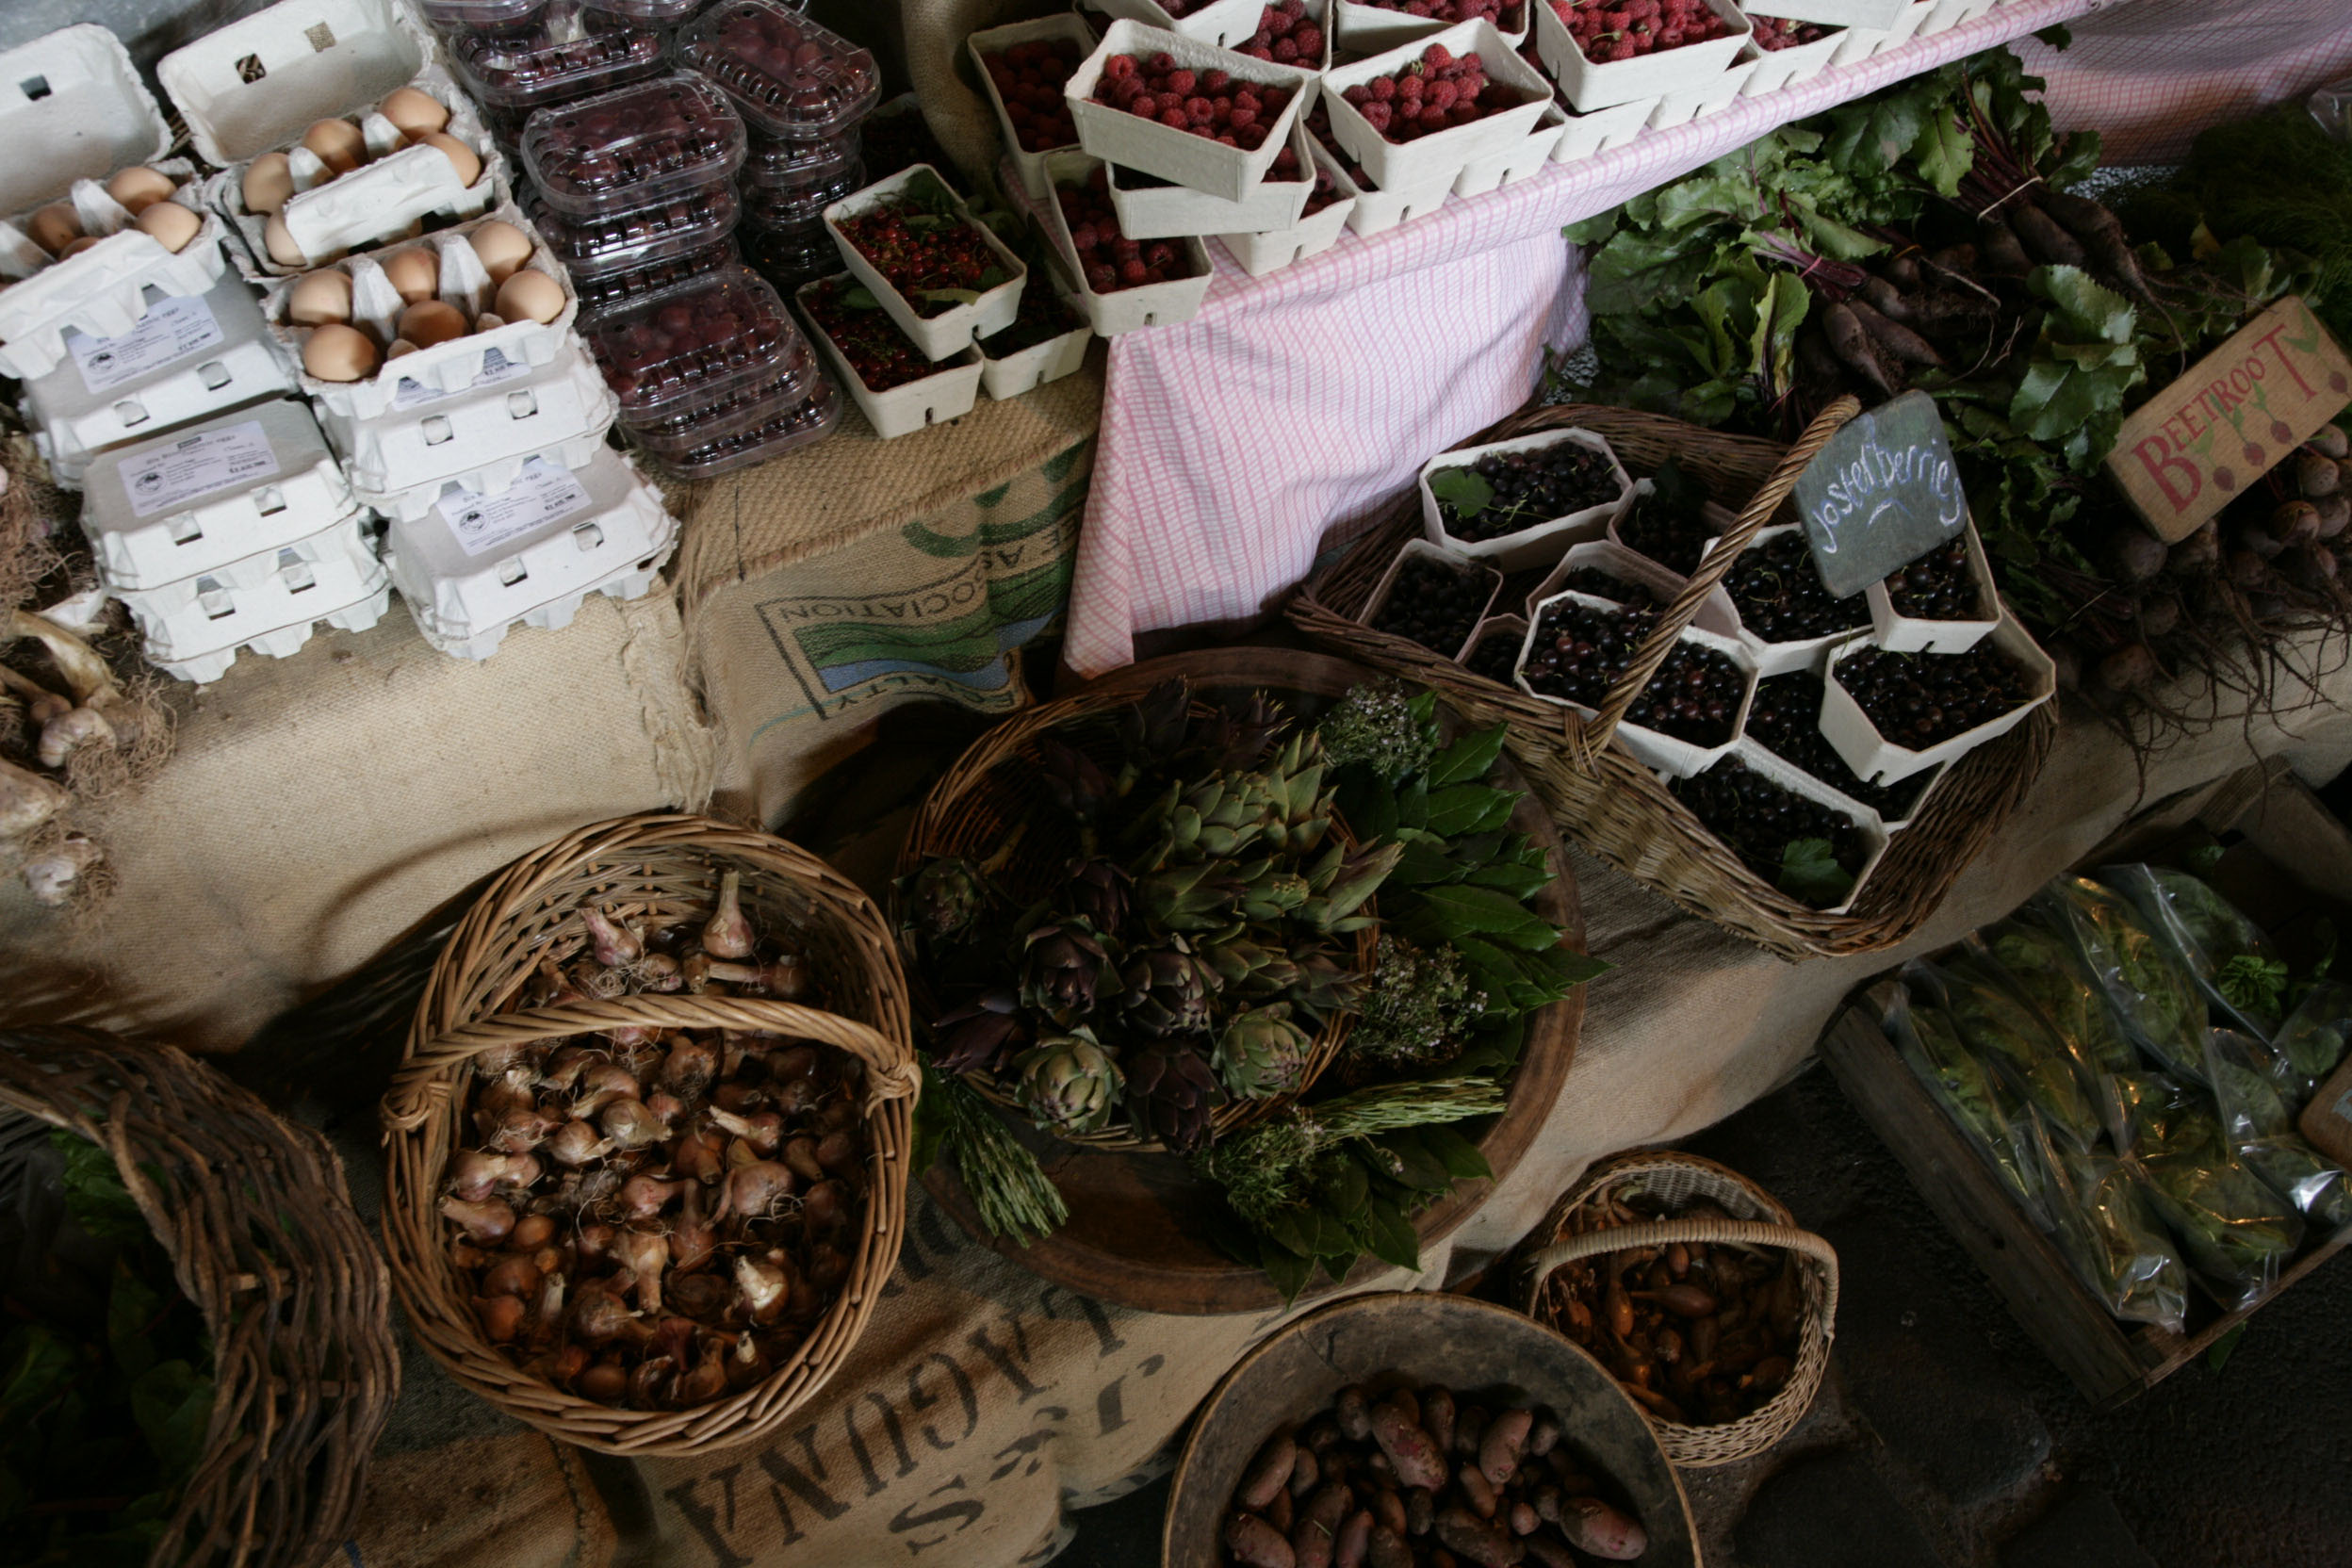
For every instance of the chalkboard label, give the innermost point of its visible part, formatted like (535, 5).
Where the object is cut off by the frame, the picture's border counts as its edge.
(1882, 494)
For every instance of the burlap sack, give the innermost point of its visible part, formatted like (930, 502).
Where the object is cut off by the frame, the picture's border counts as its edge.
(826, 588)
(939, 67)
(517, 1501)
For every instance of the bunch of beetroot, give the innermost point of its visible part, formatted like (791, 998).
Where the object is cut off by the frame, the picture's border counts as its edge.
(1029, 78)
(1436, 92)
(1288, 36)
(1209, 103)
(1607, 30)
(1107, 259)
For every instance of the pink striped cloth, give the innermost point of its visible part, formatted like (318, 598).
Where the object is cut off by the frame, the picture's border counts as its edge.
(1295, 405)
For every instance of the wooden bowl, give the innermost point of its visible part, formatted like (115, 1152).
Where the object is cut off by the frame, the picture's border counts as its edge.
(1421, 1338)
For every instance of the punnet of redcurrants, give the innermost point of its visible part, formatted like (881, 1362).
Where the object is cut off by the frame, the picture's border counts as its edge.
(1435, 604)
(1286, 35)
(881, 355)
(1107, 259)
(1496, 655)
(1604, 584)
(1043, 318)
(1214, 105)
(1774, 33)
(1666, 522)
(1786, 720)
(1760, 819)
(1921, 699)
(1939, 586)
(1607, 30)
(1781, 597)
(1521, 490)
(931, 252)
(1029, 78)
(1437, 92)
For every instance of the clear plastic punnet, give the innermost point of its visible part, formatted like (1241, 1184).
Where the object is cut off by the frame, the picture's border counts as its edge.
(688, 347)
(626, 241)
(780, 165)
(564, 52)
(635, 144)
(810, 419)
(771, 209)
(660, 13)
(683, 430)
(478, 14)
(610, 290)
(791, 77)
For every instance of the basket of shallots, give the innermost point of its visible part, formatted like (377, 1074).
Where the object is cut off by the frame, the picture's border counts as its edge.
(1697, 1290)
(647, 1153)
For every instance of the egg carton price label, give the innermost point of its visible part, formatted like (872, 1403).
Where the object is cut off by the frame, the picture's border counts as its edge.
(169, 332)
(541, 493)
(198, 466)
(496, 367)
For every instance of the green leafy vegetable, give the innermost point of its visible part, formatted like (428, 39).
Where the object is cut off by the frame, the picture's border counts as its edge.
(1809, 872)
(1462, 489)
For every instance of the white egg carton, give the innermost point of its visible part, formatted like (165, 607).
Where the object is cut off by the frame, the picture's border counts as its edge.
(1860, 43)
(1590, 132)
(1026, 369)
(1124, 310)
(186, 358)
(1771, 659)
(1798, 782)
(1900, 633)
(1545, 541)
(1715, 614)
(71, 102)
(171, 507)
(1670, 755)
(1421, 550)
(472, 564)
(1172, 212)
(255, 85)
(1313, 235)
(950, 392)
(1370, 29)
(516, 351)
(562, 407)
(1879, 761)
(1196, 162)
(1409, 165)
(1705, 95)
(281, 596)
(1224, 23)
(952, 330)
(995, 41)
(1516, 162)
(1774, 69)
(204, 668)
(1589, 85)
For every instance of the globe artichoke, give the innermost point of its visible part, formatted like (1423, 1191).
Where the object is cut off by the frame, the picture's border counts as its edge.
(1077, 783)
(1302, 805)
(1268, 894)
(1188, 898)
(1218, 818)
(1247, 968)
(1167, 992)
(978, 1038)
(1262, 1053)
(1241, 740)
(944, 898)
(1171, 1094)
(1069, 1082)
(1099, 893)
(1335, 907)
(1066, 970)
(1322, 986)
(1153, 729)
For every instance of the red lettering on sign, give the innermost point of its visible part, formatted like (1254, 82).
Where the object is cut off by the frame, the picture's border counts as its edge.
(2156, 456)
(2270, 340)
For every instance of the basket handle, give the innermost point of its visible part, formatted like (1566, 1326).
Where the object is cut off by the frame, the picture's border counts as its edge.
(1592, 735)
(1665, 1233)
(420, 1087)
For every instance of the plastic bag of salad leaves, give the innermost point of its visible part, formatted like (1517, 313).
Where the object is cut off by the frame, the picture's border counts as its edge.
(2146, 983)
(1981, 1104)
(2312, 1038)
(2001, 1027)
(2235, 965)
(2043, 968)
(2234, 1230)
(2254, 1089)
(2108, 1229)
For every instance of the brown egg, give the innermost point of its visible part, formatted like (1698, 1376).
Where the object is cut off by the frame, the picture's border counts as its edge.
(463, 159)
(78, 247)
(269, 182)
(139, 188)
(414, 113)
(320, 299)
(414, 275)
(171, 224)
(400, 346)
(337, 353)
(338, 144)
(502, 247)
(54, 227)
(532, 294)
(434, 321)
(489, 321)
(279, 241)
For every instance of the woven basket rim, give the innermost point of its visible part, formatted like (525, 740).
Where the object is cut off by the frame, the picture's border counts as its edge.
(415, 1160)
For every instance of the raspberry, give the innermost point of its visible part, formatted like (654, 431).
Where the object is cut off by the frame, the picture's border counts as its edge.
(1119, 65)
(1176, 120)
(1144, 105)
(1200, 112)
(1182, 83)
(1309, 41)
(1440, 97)
(1241, 119)
(1377, 116)
(1437, 55)
(1162, 64)
(1360, 94)
(1131, 272)
(1214, 82)
(1286, 51)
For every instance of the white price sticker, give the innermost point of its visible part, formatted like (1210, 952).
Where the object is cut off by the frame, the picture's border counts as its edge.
(541, 493)
(496, 367)
(197, 465)
(169, 332)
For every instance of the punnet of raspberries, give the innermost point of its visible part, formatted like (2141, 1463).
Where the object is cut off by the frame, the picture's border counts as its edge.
(1107, 259)
(1436, 92)
(1778, 32)
(1210, 104)
(1509, 16)
(1325, 191)
(1288, 36)
(1607, 30)
(1029, 78)
(1283, 170)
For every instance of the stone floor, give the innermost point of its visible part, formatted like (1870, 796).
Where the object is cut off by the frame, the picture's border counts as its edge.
(1943, 1439)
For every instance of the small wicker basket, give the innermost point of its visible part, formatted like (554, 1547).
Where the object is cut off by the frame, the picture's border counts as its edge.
(1578, 1226)
(263, 1240)
(666, 866)
(1616, 807)
(981, 801)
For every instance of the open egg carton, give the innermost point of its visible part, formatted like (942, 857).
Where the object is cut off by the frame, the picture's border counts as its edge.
(473, 565)
(188, 357)
(334, 130)
(99, 222)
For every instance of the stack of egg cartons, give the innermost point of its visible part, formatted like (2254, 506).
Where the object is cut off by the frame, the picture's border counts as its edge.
(804, 91)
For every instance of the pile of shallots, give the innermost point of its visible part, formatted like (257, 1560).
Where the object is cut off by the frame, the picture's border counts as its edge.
(655, 1217)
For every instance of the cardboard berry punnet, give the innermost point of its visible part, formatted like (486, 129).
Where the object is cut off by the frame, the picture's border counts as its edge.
(1200, 160)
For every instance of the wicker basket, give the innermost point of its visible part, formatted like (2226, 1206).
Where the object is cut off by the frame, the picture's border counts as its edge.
(980, 801)
(668, 867)
(264, 1241)
(1612, 805)
(1581, 1227)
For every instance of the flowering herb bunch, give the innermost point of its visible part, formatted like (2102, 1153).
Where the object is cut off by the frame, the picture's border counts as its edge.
(927, 248)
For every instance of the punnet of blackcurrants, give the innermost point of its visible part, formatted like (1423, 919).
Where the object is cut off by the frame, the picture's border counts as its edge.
(1918, 700)
(880, 354)
(1786, 720)
(1939, 586)
(1760, 820)
(1438, 91)
(1781, 597)
(1029, 78)
(1695, 697)
(920, 240)
(1667, 521)
(1503, 493)
(1043, 318)
(1609, 30)
(1435, 603)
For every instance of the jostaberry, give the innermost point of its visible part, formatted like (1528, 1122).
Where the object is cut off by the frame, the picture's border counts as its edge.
(1107, 259)
(1781, 597)
(1786, 720)
(1437, 92)
(1029, 78)
(1760, 819)
(1604, 584)
(1580, 651)
(1921, 699)
(1494, 655)
(1435, 605)
(1939, 586)
(1607, 30)
(1666, 522)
